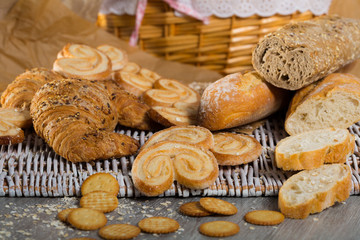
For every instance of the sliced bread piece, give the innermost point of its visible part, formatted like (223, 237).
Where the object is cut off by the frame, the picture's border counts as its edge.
(331, 102)
(312, 149)
(311, 191)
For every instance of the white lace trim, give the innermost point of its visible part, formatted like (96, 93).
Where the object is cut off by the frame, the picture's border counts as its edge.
(227, 8)
(119, 7)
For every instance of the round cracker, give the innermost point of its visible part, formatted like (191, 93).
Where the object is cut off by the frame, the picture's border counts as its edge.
(62, 215)
(264, 217)
(86, 219)
(100, 182)
(101, 201)
(219, 228)
(218, 206)
(119, 231)
(158, 225)
(82, 238)
(194, 209)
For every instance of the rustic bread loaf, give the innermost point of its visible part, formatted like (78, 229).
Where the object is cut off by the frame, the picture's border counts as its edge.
(311, 191)
(303, 52)
(312, 149)
(332, 102)
(238, 99)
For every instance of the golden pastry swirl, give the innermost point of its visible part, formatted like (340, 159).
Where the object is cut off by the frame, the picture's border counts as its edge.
(131, 67)
(84, 62)
(118, 57)
(133, 83)
(171, 116)
(150, 75)
(196, 135)
(235, 149)
(155, 168)
(174, 102)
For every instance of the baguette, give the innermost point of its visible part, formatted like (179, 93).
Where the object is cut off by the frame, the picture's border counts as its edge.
(332, 102)
(304, 52)
(312, 149)
(311, 191)
(238, 99)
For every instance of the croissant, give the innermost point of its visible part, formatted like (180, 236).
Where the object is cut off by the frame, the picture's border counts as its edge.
(131, 111)
(77, 118)
(19, 93)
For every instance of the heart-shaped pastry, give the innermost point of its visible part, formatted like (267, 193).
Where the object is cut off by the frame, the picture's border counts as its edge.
(84, 62)
(157, 166)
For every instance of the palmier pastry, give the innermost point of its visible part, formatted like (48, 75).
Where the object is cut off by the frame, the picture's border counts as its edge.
(132, 82)
(149, 75)
(10, 133)
(155, 168)
(172, 102)
(196, 135)
(131, 67)
(82, 61)
(118, 57)
(234, 149)
(171, 116)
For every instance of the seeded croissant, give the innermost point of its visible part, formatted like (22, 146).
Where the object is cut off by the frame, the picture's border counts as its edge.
(77, 119)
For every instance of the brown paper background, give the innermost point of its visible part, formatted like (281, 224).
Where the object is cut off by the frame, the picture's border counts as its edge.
(34, 31)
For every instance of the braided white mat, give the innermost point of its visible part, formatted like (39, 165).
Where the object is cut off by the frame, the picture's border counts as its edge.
(33, 169)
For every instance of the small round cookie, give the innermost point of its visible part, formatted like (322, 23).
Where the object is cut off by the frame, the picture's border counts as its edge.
(264, 217)
(194, 209)
(219, 228)
(101, 201)
(196, 135)
(218, 206)
(62, 215)
(158, 225)
(100, 182)
(86, 219)
(234, 149)
(119, 231)
(82, 238)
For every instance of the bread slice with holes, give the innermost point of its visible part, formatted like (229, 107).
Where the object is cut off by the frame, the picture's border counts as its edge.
(312, 149)
(311, 191)
(331, 102)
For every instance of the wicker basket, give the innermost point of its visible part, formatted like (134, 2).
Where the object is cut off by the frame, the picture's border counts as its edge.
(224, 45)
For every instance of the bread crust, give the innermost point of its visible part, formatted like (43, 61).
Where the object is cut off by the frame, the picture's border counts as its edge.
(338, 192)
(238, 99)
(299, 160)
(320, 92)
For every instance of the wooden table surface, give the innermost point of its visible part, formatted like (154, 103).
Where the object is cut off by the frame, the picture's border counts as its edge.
(35, 218)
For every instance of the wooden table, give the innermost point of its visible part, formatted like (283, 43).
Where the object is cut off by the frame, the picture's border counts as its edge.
(35, 218)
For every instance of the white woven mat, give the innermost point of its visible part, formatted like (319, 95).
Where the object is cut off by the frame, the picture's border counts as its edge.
(33, 169)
